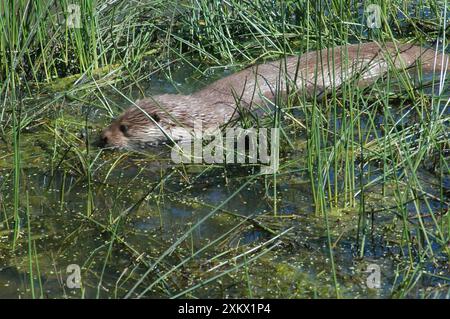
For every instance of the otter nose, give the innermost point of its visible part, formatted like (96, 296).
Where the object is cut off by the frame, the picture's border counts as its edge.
(101, 141)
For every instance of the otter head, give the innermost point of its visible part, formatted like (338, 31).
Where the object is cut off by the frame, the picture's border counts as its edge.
(167, 117)
(137, 128)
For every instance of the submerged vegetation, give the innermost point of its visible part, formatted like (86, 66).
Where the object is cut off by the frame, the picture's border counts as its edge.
(364, 178)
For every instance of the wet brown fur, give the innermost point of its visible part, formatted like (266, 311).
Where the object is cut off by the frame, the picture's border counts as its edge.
(313, 73)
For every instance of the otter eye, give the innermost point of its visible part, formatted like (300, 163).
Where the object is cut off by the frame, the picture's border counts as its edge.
(155, 117)
(123, 129)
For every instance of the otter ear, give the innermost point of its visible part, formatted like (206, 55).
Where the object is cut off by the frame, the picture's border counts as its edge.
(123, 128)
(155, 117)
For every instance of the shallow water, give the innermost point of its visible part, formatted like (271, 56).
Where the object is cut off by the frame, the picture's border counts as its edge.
(150, 204)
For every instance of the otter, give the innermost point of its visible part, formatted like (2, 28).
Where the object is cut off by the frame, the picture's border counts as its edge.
(167, 117)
